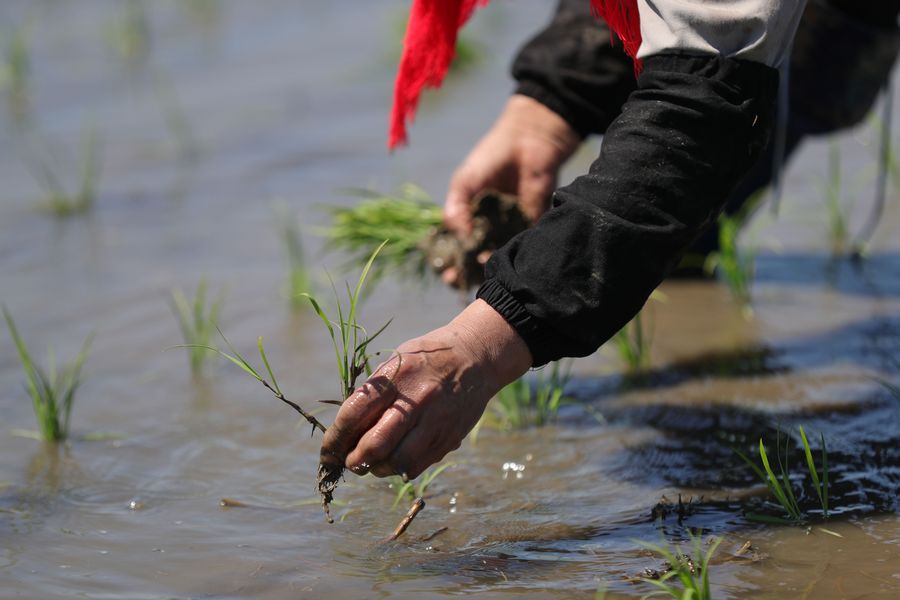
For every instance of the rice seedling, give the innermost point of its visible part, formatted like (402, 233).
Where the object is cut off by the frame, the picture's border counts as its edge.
(733, 265)
(205, 14)
(780, 484)
(410, 490)
(298, 279)
(405, 219)
(687, 575)
(351, 342)
(57, 199)
(15, 72)
(349, 339)
(528, 401)
(129, 35)
(632, 343)
(52, 390)
(174, 117)
(838, 230)
(198, 321)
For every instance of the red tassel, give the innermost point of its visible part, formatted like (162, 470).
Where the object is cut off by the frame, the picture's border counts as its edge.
(430, 45)
(623, 18)
(428, 49)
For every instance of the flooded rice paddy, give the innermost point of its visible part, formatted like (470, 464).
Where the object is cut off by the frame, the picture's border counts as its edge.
(234, 106)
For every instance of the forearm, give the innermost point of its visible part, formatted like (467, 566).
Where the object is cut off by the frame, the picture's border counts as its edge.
(572, 67)
(684, 139)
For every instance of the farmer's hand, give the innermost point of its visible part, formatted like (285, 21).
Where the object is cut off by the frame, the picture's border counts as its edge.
(521, 155)
(414, 410)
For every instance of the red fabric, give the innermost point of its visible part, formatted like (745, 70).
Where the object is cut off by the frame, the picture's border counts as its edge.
(428, 49)
(623, 18)
(430, 45)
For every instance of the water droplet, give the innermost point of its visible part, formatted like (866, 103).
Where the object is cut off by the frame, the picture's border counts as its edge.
(135, 505)
(452, 510)
(512, 467)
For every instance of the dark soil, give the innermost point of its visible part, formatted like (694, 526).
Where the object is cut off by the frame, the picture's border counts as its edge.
(496, 220)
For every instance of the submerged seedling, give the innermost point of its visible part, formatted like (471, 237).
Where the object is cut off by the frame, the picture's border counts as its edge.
(528, 401)
(632, 343)
(780, 484)
(412, 490)
(58, 200)
(15, 72)
(405, 219)
(838, 230)
(734, 265)
(52, 390)
(350, 341)
(129, 35)
(199, 321)
(687, 575)
(298, 280)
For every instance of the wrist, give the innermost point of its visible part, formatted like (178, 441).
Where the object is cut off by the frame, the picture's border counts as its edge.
(496, 346)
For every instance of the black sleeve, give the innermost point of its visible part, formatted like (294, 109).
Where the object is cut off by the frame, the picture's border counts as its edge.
(573, 68)
(693, 127)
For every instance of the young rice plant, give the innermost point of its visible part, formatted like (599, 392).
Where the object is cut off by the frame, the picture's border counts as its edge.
(405, 220)
(350, 341)
(52, 390)
(58, 200)
(734, 266)
(524, 403)
(15, 72)
(198, 322)
(298, 280)
(409, 490)
(780, 484)
(688, 574)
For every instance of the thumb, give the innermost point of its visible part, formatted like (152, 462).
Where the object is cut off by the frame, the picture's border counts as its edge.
(458, 206)
(535, 191)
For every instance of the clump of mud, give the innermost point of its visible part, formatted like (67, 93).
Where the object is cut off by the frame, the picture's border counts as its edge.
(496, 219)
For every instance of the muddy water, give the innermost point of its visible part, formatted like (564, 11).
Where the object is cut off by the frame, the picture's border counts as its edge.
(288, 101)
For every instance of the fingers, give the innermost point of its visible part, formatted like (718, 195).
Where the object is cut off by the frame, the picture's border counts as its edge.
(420, 449)
(382, 438)
(458, 207)
(357, 414)
(535, 190)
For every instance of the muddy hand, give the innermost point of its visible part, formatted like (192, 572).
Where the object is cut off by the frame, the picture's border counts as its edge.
(421, 403)
(520, 155)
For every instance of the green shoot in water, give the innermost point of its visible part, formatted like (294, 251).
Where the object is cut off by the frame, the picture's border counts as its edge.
(57, 200)
(527, 401)
(298, 281)
(15, 73)
(52, 391)
(838, 231)
(633, 345)
(780, 484)
(410, 490)
(405, 219)
(734, 265)
(198, 322)
(129, 35)
(633, 342)
(688, 574)
(270, 384)
(349, 339)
